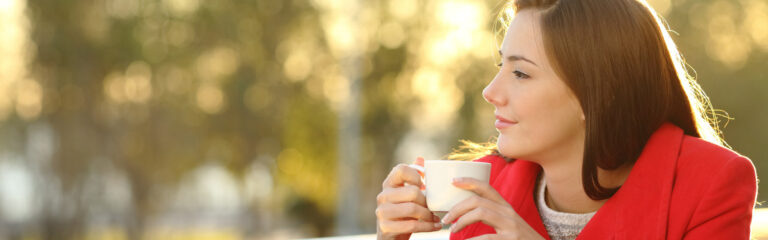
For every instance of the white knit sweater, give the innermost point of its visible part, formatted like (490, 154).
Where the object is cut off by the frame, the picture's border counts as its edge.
(560, 225)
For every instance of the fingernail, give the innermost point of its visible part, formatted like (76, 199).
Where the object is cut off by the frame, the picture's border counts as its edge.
(452, 228)
(445, 220)
(458, 179)
(437, 225)
(419, 161)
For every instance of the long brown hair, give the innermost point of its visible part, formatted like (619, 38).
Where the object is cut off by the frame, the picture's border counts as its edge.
(618, 59)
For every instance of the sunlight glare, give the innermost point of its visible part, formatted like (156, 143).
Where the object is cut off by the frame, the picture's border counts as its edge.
(756, 22)
(403, 9)
(210, 98)
(662, 7)
(29, 99)
(137, 85)
(217, 63)
(336, 90)
(391, 35)
(298, 65)
(181, 7)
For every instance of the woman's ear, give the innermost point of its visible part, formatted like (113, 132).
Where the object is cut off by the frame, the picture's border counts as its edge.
(582, 117)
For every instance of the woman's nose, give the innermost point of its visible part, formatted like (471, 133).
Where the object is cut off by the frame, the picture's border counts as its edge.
(491, 93)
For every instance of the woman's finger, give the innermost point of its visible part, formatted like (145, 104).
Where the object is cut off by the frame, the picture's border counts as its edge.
(480, 188)
(407, 226)
(487, 216)
(402, 174)
(403, 194)
(408, 210)
(420, 162)
(466, 206)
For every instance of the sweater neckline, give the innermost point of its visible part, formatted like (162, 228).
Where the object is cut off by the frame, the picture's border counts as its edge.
(554, 215)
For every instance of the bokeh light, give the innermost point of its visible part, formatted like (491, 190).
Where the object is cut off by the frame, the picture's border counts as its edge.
(195, 119)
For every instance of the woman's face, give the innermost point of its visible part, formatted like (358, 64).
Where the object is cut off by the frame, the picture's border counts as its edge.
(537, 115)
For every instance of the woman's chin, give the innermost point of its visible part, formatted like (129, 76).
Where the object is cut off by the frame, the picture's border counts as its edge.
(508, 148)
(509, 154)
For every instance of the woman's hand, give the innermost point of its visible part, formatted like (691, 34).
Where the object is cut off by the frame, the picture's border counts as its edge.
(490, 208)
(402, 208)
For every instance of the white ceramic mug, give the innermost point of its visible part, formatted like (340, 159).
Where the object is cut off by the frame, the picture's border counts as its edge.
(438, 177)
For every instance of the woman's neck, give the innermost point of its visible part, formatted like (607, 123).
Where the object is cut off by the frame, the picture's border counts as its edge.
(562, 173)
(565, 188)
(565, 191)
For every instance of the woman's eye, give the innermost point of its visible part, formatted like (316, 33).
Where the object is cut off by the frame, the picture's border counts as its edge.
(520, 75)
(498, 65)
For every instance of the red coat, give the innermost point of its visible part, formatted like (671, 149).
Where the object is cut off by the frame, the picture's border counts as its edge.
(680, 187)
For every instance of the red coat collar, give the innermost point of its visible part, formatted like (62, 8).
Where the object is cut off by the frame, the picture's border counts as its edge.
(644, 197)
(646, 194)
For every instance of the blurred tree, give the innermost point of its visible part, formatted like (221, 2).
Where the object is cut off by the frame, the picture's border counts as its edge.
(159, 88)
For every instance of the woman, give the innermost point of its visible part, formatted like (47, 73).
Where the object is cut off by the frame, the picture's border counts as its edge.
(602, 134)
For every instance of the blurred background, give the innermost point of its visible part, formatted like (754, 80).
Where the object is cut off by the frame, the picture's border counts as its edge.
(274, 119)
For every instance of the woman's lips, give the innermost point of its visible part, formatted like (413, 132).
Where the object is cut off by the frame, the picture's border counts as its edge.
(503, 122)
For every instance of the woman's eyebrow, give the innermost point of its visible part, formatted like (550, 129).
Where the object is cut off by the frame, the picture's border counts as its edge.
(513, 58)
